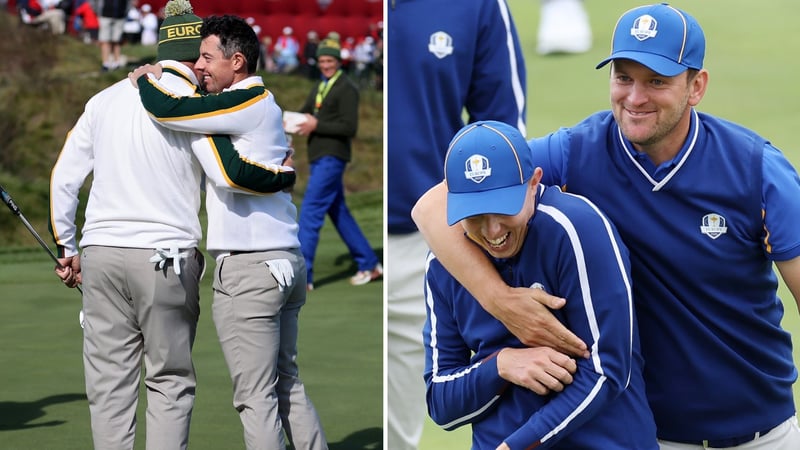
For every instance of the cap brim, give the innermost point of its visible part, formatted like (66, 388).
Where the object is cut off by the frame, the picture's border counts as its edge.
(658, 64)
(507, 201)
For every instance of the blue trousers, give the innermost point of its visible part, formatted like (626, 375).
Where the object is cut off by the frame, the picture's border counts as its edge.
(325, 195)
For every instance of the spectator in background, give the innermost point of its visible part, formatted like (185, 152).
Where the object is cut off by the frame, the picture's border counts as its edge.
(331, 110)
(309, 66)
(348, 46)
(112, 21)
(149, 26)
(86, 23)
(132, 29)
(266, 60)
(286, 50)
(364, 59)
(44, 12)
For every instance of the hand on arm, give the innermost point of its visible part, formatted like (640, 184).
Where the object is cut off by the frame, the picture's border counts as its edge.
(523, 311)
(540, 369)
(155, 69)
(288, 161)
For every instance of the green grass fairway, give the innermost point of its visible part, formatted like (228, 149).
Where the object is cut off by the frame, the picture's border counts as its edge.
(42, 396)
(750, 54)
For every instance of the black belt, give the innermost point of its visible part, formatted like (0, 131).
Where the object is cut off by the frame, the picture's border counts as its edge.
(244, 252)
(729, 442)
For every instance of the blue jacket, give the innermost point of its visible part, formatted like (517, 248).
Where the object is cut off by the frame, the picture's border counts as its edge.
(703, 230)
(446, 56)
(573, 251)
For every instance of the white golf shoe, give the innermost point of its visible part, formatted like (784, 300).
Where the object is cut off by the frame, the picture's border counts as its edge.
(563, 27)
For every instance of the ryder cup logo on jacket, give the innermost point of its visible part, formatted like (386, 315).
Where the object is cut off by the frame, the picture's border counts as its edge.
(644, 27)
(713, 225)
(477, 168)
(440, 44)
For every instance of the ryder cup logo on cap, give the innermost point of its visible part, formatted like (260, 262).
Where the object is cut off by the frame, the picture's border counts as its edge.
(487, 169)
(477, 168)
(665, 39)
(644, 27)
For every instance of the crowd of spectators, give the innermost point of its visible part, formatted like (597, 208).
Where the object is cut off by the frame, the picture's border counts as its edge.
(80, 18)
(362, 56)
(46, 14)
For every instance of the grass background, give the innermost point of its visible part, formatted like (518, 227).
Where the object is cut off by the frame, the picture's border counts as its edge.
(751, 50)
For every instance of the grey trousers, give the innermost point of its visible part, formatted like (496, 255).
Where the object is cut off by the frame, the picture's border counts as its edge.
(135, 311)
(257, 325)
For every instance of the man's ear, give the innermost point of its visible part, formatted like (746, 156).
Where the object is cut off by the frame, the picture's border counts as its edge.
(697, 87)
(239, 61)
(536, 177)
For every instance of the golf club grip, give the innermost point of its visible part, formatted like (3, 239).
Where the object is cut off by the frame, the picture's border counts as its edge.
(9, 201)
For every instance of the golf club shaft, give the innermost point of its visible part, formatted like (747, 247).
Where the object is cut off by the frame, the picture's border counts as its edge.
(15, 209)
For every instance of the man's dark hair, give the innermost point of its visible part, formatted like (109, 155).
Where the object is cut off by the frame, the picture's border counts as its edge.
(235, 35)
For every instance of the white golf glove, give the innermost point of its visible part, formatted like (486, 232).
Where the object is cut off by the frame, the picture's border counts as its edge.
(282, 271)
(162, 256)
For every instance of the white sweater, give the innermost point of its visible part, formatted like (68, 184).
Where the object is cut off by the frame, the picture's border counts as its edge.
(238, 221)
(145, 192)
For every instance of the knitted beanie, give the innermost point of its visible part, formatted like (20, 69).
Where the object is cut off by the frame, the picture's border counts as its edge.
(329, 47)
(179, 35)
